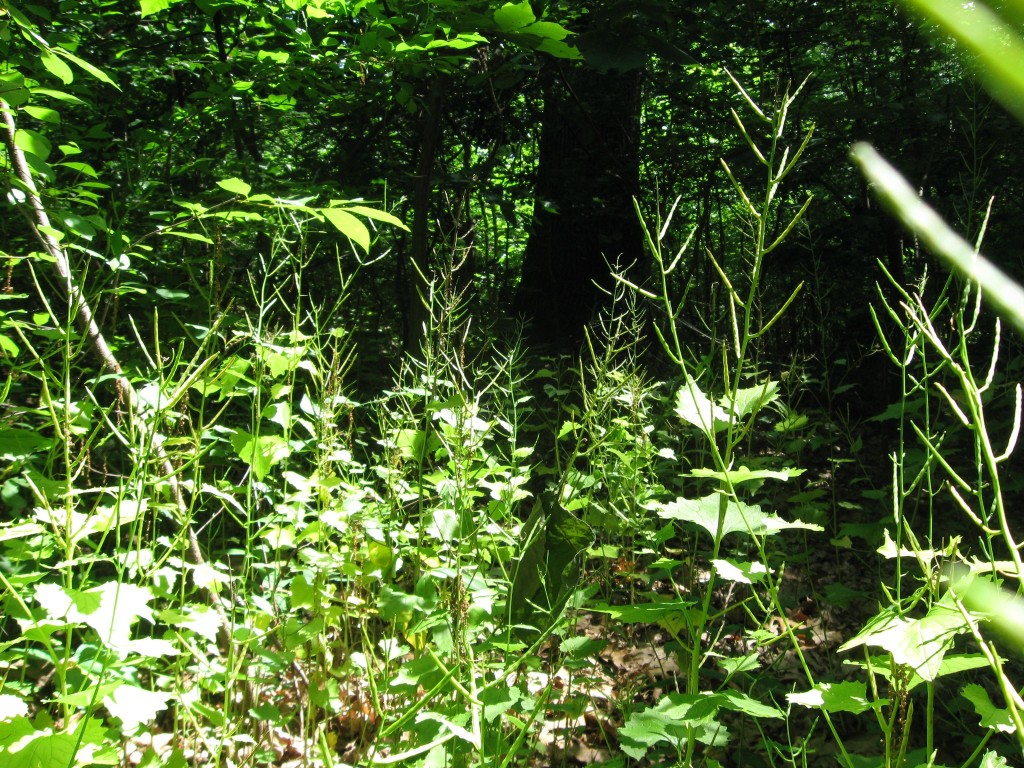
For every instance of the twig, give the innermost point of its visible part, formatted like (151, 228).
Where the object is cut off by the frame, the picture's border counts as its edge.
(86, 321)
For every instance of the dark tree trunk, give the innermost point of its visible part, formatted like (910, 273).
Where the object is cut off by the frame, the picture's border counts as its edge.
(584, 218)
(416, 312)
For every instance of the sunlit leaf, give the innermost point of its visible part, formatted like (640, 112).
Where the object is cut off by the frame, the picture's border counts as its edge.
(694, 407)
(918, 643)
(149, 7)
(260, 452)
(559, 49)
(378, 215)
(512, 17)
(349, 226)
(12, 706)
(743, 573)
(56, 67)
(110, 609)
(135, 706)
(33, 143)
(736, 517)
(92, 70)
(235, 186)
(751, 399)
(992, 717)
(848, 696)
(546, 29)
(36, 747)
(744, 474)
(188, 235)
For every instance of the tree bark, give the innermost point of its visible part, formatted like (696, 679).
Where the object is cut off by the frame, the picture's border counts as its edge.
(417, 313)
(588, 174)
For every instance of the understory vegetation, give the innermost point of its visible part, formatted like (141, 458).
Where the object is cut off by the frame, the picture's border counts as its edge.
(294, 471)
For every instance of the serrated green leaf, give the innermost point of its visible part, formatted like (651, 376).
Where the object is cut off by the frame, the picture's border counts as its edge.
(889, 550)
(742, 573)
(751, 399)
(738, 701)
(497, 700)
(836, 697)
(135, 706)
(737, 517)
(260, 452)
(36, 748)
(917, 643)
(110, 609)
(696, 409)
(992, 717)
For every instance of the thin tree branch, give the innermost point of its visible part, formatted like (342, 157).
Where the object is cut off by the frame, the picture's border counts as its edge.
(86, 321)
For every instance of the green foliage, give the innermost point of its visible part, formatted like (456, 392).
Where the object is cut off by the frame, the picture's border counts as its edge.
(239, 527)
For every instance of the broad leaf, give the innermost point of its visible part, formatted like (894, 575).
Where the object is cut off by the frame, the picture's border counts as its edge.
(694, 407)
(349, 226)
(36, 748)
(135, 706)
(377, 215)
(917, 643)
(235, 186)
(149, 7)
(92, 70)
(743, 573)
(644, 613)
(18, 444)
(836, 697)
(671, 721)
(546, 29)
(33, 143)
(555, 541)
(56, 67)
(737, 517)
(12, 706)
(512, 17)
(261, 452)
(992, 717)
(751, 399)
(744, 474)
(110, 609)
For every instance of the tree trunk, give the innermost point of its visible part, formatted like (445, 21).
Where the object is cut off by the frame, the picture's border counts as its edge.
(416, 313)
(588, 174)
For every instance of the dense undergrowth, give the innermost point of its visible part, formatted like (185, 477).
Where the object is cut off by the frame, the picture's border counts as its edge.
(218, 550)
